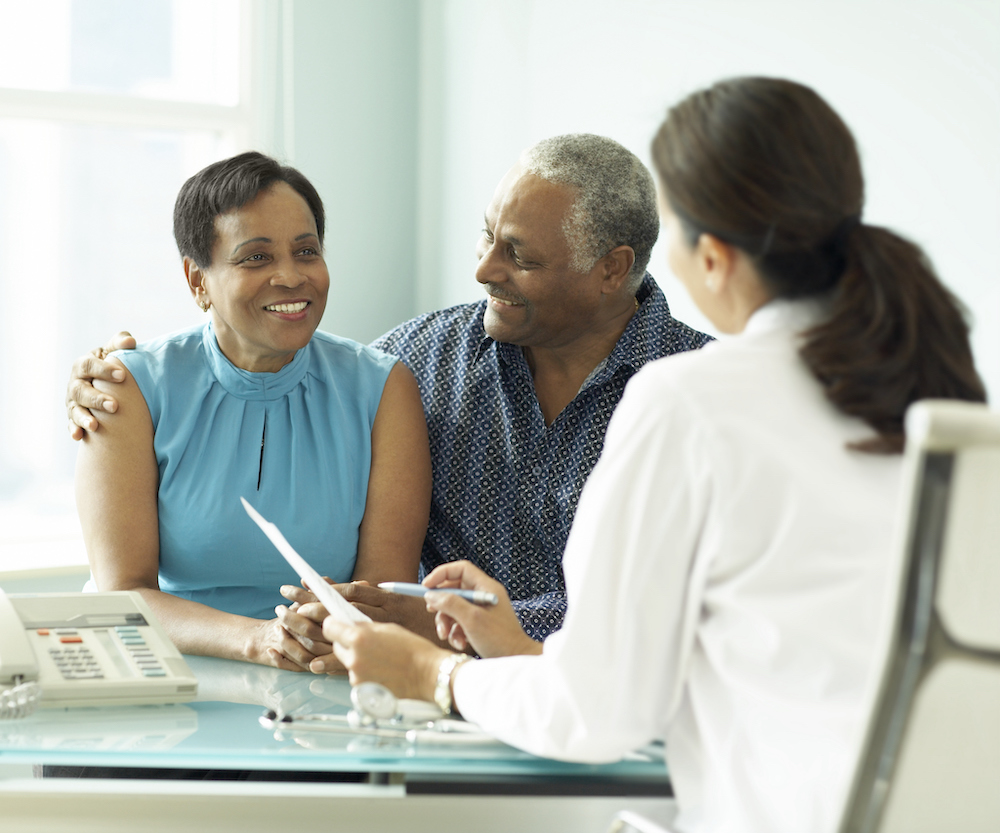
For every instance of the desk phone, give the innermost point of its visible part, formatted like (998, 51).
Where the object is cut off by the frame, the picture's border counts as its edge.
(90, 649)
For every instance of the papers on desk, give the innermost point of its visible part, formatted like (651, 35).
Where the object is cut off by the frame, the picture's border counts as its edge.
(336, 605)
(421, 728)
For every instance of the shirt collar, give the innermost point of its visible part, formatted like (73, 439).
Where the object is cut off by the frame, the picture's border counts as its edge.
(246, 384)
(783, 314)
(485, 341)
(630, 350)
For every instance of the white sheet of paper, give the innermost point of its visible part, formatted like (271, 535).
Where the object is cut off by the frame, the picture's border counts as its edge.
(336, 605)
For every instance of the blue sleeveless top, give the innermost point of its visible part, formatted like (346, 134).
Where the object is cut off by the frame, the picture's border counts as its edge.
(296, 444)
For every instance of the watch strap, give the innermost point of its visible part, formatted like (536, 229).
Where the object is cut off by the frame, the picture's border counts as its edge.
(442, 691)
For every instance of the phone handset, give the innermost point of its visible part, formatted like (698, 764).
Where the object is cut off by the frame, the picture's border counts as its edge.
(18, 667)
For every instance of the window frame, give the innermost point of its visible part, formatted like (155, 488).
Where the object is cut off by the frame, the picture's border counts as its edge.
(250, 123)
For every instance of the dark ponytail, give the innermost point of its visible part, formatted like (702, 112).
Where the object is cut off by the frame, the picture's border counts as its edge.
(767, 166)
(895, 335)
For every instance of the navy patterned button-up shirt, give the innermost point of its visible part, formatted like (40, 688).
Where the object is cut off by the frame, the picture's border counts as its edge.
(506, 485)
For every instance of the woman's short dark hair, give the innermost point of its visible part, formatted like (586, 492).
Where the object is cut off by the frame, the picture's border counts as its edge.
(226, 186)
(766, 165)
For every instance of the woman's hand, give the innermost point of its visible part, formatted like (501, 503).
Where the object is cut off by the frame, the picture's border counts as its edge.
(303, 622)
(377, 604)
(272, 644)
(303, 619)
(491, 631)
(386, 653)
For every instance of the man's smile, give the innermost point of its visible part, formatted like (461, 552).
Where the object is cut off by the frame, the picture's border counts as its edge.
(496, 299)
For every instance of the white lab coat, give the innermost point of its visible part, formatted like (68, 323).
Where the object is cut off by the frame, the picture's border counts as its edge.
(728, 576)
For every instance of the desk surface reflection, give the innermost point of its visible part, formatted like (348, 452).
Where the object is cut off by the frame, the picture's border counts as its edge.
(221, 729)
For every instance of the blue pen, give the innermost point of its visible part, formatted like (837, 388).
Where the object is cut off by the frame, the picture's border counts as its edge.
(479, 597)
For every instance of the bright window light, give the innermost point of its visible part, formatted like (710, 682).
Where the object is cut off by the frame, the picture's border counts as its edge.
(178, 50)
(106, 107)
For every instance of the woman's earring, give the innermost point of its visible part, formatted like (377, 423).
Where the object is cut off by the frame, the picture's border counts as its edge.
(205, 304)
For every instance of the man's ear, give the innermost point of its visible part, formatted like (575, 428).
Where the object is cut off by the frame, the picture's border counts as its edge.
(716, 260)
(617, 264)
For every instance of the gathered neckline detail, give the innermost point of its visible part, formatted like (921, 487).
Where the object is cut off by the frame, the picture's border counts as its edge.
(249, 385)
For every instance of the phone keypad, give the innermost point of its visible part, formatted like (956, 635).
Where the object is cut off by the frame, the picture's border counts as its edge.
(74, 659)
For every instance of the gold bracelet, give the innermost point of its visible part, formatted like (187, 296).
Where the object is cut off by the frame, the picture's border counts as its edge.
(442, 691)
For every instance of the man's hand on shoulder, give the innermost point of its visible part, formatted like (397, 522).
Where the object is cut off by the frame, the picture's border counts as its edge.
(82, 398)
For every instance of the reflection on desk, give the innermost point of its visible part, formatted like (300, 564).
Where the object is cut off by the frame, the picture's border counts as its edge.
(221, 730)
(284, 692)
(116, 729)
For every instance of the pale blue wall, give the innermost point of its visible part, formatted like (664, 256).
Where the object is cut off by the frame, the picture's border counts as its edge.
(407, 112)
(354, 105)
(918, 81)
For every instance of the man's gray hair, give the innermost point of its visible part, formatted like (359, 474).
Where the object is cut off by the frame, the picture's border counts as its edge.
(615, 203)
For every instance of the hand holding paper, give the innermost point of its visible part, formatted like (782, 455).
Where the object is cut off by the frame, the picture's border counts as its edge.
(336, 605)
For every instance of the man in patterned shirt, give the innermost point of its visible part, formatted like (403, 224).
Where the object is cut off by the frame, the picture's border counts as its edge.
(518, 388)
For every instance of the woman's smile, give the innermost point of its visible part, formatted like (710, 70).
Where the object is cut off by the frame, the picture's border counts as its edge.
(288, 307)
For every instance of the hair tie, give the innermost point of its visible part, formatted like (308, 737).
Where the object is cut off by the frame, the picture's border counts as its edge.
(836, 249)
(838, 240)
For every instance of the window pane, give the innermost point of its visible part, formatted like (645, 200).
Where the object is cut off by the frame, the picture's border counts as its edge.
(86, 236)
(183, 50)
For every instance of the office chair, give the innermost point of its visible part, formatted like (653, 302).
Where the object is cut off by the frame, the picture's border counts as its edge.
(931, 760)
(625, 821)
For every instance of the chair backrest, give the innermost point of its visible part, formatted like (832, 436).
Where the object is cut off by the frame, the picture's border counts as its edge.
(627, 821)
(931, 760)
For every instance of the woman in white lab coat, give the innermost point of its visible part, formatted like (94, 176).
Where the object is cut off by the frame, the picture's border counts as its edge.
(729, 563)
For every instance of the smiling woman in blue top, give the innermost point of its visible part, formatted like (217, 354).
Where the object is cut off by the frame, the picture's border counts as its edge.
(324, 436)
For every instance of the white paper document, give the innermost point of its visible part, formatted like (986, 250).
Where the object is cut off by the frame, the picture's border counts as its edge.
(337, 606)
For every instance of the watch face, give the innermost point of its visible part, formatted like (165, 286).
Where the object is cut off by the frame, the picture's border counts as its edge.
(374, 700)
